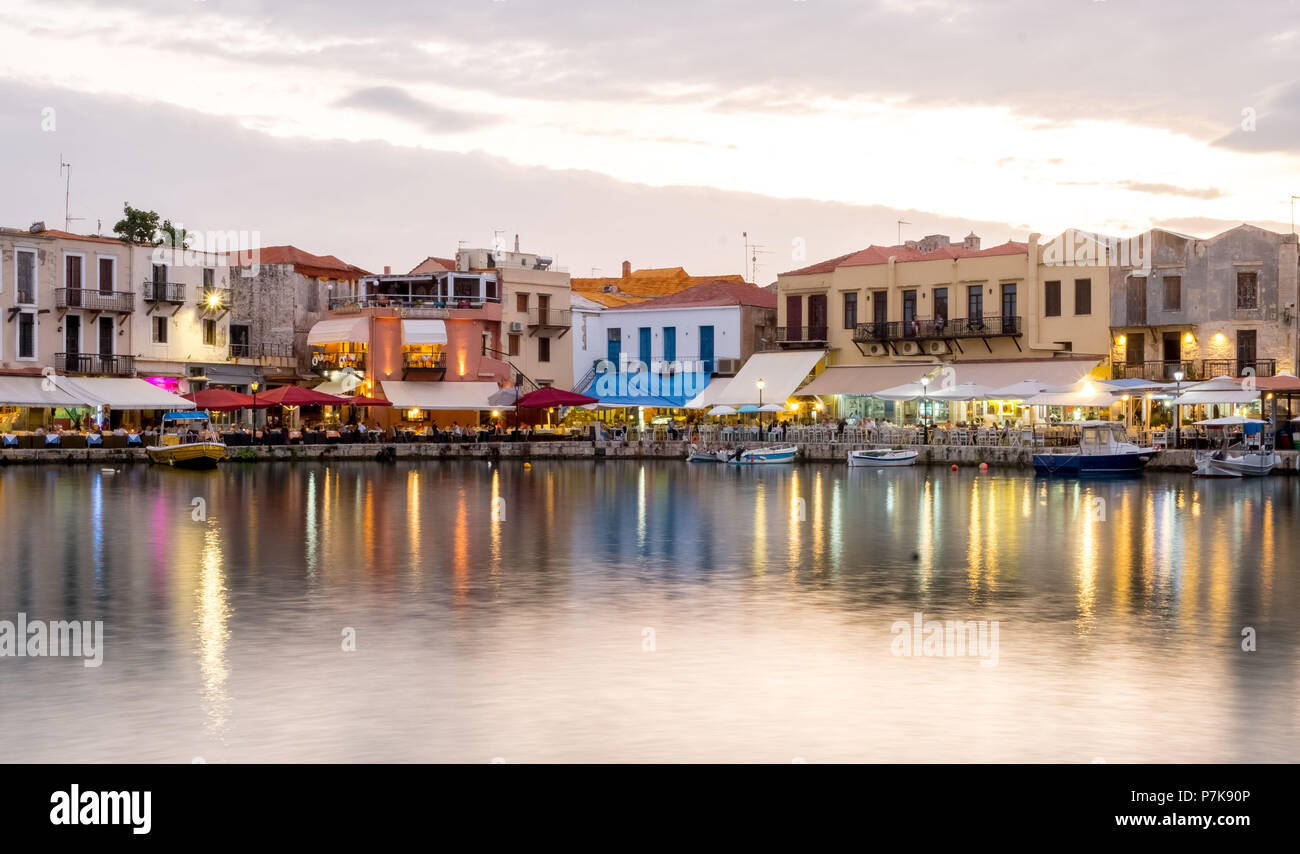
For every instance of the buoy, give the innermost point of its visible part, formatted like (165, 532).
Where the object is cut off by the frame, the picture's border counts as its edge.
(984, 466)
(954, 466)
(108, 471)
(528, 465)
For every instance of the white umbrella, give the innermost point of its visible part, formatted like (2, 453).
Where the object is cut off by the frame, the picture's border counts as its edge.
(1084, 393)
(721, 410)
(771, 407)
(906, 391)
(964, 391)
(1017, 391)
(1219, 390)
(1229, 421)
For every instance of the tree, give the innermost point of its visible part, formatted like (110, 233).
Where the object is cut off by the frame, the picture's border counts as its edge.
(137, 226)
(174, 236)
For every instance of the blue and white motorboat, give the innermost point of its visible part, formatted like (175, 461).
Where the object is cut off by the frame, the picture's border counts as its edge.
(1102, 448)
(761, 456)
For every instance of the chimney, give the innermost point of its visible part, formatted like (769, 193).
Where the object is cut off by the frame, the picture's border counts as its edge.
(37, 227)
(972, 241)
(388, 271)
(627, 269)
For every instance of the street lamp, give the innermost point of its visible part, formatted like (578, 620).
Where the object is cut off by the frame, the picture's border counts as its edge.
(925, 430)
(1178, 385)
(761, 384)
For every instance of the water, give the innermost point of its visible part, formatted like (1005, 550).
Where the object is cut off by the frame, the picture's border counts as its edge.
(529, 638)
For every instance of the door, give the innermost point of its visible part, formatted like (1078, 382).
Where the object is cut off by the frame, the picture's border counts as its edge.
(107, 332)
(670, 343)
(106, 275)
(239, 342)
(880, 310)
(817, 317)
(975, 306)
(940, 305)
(706, 348)
(72, 342)
(1135, 349)
(909, 314)
(1009, 309)
(72, 281)
(1245, 351)
(1171, 353)
(794, 318)
(543, 309)
(614, 349)
(159, 282)
(643, 344)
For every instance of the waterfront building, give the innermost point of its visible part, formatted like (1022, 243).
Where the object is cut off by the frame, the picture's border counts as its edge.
(640, 285)
(440, 342)
(278, 294)
(959, 313)
(1204, 308)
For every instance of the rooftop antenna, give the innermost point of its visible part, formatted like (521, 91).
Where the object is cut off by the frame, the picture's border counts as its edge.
(901, 223)
(752, 251)
(67, 193)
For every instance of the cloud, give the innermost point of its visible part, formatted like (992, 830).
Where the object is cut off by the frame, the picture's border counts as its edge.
(1274, 127)
(1172, 190)
(397, 102)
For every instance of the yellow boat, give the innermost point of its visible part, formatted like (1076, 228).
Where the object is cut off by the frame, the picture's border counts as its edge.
(176, 451)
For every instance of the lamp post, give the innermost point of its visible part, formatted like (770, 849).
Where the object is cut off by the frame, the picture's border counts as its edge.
(761, 383)
(925, 428)
(1178, 385)
(253, 386)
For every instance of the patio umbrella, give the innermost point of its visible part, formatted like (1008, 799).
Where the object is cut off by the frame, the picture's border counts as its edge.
(1017, 391)
(721, 409)
(771, 407)
(223, 400)
(1229, 421)
(504, 396)
(964, 391)
(1218, 390)
(295, 395)
(548, 398)
(906, 391)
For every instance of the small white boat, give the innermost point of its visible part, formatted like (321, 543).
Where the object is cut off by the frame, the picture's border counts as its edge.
(696, 454)
(1236, 460)
(743, 456)
(882, 457)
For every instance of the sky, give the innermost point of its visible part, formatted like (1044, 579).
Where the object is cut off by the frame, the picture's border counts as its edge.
(387, 131)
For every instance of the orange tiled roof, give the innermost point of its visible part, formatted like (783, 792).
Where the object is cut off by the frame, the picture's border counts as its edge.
(425, 267)
(881, 254)
(66, 235)
(712, 292)
(321, 266)
(641, 285)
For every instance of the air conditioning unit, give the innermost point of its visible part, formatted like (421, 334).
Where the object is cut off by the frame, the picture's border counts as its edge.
(728, 366)
(877, 350)
(909, 348)
(935, 348)
(516, 326)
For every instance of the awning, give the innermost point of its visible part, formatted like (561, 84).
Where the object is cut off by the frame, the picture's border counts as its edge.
(781, 373)
(1220, 390)
(123, 393)
(1049, 373)
(647, 388)
(36, 391)
(1084, 393)
(418, 332)
(352, 330)
(709, 397)
(865, 379)
(440, 395)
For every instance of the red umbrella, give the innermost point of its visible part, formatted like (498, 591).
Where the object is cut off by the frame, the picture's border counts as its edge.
(546, 398)
(296, 395)
(223, 400)
(367, 401)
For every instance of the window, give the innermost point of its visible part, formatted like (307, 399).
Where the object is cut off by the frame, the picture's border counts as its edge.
(521, 303)
(880, 307)
(543, 349)
(107, 275)
(1245, 351)
(27, 335)
(670, 343)
(975, 303)
(940, 307)
(1051, 299)
(209, 277)
(512, 345)
(160, 330)
(1173, 293)
(1247, 291)
(209, 332)
(25, 274)
(1083, 296)
(851, 310)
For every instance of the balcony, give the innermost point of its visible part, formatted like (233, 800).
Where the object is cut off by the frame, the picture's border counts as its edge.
(122, 302)
(277, 355)
(435, 362)
(96, 364)
(1211, 368)
(1156, 371)
(549, 321)
(927, 329)
(172, 292)
(792, 337)
(216, 300)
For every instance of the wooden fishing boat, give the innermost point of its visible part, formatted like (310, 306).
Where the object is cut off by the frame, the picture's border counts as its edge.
(882, 458)
(181, 444)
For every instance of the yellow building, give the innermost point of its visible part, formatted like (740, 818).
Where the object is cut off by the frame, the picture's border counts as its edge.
(958, 313)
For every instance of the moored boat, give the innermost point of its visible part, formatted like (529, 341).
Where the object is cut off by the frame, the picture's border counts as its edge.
(696, 454)
(185, 446)
(882, 457)
(1252, 457)
(743, 456)
(1101, 448)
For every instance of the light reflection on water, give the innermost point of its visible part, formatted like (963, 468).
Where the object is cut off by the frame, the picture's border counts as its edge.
(520, 636)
